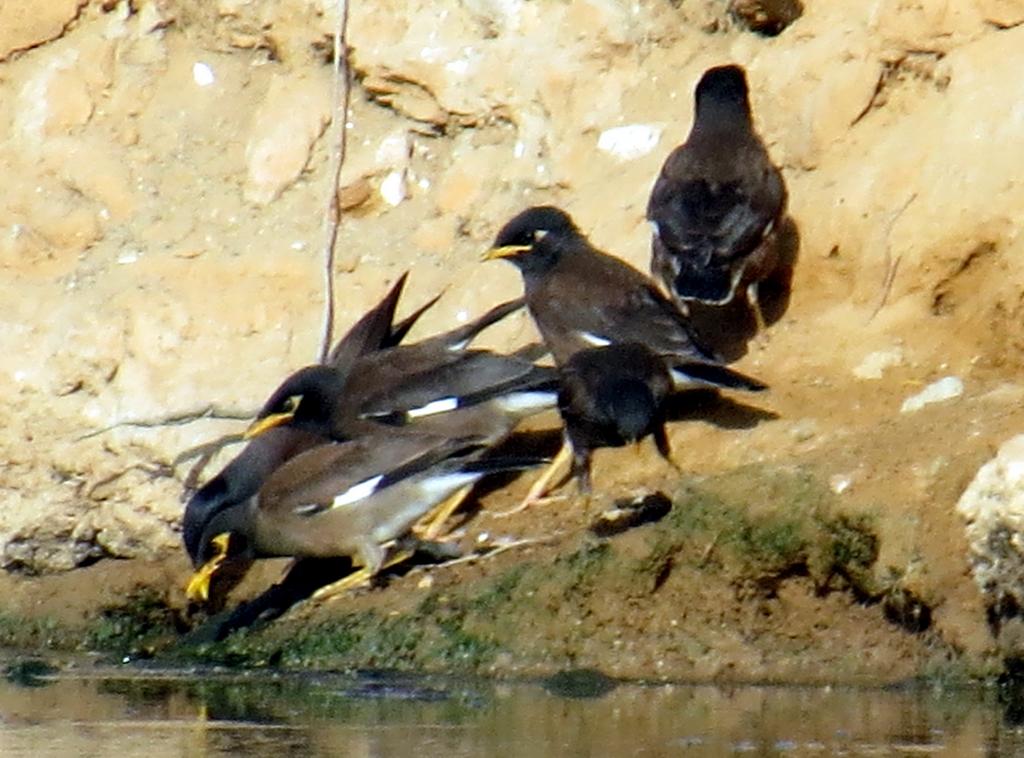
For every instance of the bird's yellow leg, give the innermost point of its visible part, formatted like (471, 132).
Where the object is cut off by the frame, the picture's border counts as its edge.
(430, 528)
(556, 472)
(755, 307)
(433, 526)
(360, 576)
(198, 588)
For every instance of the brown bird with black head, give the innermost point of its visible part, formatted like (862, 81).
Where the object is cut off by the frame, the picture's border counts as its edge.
(345, 499)
(582, 298)
(718, 202)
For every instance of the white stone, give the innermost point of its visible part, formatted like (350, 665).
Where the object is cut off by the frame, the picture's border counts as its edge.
(393, 151)
(840, 483)
(202, 74)
(629, 142)
(392, 189)
(993, 507)
(946, 388)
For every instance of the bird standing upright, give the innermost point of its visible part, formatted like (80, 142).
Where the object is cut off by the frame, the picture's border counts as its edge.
(717, 204)
(582, 298)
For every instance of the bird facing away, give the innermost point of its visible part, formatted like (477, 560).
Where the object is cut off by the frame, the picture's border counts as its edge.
(718, 201)
(610, 397)
(345, 499)
(581, 297)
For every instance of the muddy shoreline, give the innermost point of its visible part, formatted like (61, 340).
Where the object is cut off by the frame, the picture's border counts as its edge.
(160, 232)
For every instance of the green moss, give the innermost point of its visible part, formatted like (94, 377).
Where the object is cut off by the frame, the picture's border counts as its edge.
(758, 523)
(503, 591)
(771, 545)
(581, 568)
(36, 633)
(136, 625)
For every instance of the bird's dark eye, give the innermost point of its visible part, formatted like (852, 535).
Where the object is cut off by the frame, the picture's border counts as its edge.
(539, 234)
(292, 403)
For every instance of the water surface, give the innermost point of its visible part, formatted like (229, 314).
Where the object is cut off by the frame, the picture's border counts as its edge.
(90, 711)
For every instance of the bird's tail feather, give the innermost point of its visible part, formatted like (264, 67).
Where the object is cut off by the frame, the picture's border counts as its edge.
(697, 374)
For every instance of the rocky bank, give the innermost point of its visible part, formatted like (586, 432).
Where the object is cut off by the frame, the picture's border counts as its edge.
(165, 169)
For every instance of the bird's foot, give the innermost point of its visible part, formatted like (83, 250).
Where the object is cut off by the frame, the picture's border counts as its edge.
(528, 502)
(550, 478)
(358, 578)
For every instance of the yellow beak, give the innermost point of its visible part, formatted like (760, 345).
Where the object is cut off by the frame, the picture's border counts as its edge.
(505, 251)
(198, 588)
(261, 425)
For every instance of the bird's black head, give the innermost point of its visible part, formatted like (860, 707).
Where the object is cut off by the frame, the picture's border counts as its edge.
(723, 85)
(535, 239)
(228, 534)
(203, 506)
(305, 400)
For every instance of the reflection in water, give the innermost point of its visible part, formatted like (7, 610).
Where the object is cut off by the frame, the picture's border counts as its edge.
(119, 713)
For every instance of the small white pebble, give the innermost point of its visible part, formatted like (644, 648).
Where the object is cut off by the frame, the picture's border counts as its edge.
(462, 317)
(629, 142)
(392, 189)
(424, 183)
(519, 150)
(298, 245)
(946, 388)
(483, 537)
(840, 483)
(202, 74)
(128, 256)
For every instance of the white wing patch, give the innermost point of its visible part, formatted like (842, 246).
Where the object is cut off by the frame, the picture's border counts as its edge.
(357, 492)
(436, 488)
(443, 405)
(526, 402)
(594, 340)
(681, 380)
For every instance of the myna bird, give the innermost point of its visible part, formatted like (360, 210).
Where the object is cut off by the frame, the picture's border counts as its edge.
(718, 201)
(425, 384)
(345, 499)
(243, 477)
(610, 397)
(437, 386)
(581, 297)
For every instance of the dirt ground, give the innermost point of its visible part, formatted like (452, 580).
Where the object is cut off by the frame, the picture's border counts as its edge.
(165, 172)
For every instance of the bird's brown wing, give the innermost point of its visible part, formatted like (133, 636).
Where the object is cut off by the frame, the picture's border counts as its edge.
(710, 215)
(611, 305)
(341, 474)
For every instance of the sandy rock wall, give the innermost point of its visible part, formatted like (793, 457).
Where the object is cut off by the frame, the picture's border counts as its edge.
(165, 168)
